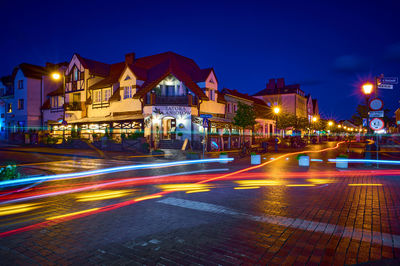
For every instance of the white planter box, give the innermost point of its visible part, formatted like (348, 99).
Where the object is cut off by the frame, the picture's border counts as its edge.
(256, 159)
(225, 156)
(342, 164)
(304, 160)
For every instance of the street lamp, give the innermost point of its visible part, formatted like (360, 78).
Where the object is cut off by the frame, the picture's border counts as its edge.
(57, 76)
(367, 88)
(276, 110)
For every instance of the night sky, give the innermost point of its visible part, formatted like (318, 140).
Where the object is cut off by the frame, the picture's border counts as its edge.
(330, 49)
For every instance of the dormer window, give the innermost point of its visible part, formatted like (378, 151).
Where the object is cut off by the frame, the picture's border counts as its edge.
(75, 74)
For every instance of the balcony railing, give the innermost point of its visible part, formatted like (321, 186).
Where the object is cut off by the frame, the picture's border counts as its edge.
(74, 106)
(171, 100)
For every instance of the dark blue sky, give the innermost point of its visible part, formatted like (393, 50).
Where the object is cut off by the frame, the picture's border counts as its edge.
(328, 48)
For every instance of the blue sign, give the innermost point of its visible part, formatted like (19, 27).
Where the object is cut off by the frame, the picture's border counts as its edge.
(205, 116)
(205, 122)
(365, 122)
(387, 80)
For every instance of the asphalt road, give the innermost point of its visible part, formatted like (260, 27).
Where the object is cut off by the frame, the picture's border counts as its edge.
(197, 214)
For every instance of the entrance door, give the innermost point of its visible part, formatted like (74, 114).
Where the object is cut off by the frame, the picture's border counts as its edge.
(169, 128)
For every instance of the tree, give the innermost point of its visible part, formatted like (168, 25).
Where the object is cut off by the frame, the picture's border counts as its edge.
(361, 112)
(245, 117)
(286, 120)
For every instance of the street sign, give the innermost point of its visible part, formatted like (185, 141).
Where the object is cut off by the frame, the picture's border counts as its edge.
(365, 122)
(205, 122)
(376, 114)
(389, 80)
(376, 124)
(206, 116)
(385, 86)
(376, 104)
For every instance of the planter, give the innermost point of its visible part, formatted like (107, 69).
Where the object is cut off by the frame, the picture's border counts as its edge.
(255, 159)
(304, 160)
(223, 156)
(342, 164)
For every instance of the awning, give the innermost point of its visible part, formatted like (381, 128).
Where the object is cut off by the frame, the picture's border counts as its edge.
(105, 119)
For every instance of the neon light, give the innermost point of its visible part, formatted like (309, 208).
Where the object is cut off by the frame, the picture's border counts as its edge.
(107, 171)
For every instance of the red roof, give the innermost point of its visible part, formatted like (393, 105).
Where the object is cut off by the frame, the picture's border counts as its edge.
(112, 78)
(244, 96)
(95, 67)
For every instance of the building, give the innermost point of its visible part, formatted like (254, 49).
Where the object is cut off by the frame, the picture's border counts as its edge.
(290, 98)
(265, 126)
(162, 96)
(312, 108)
(6, 96)
(397, 115)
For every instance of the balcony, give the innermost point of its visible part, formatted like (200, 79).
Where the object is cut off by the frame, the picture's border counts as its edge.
(187, 100)
(74, 106)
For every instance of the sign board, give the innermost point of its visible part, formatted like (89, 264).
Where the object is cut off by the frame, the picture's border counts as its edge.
(206, 116)
(365, 122)
(205, 122)
(376, 114)
(385, 86)
(389, 80)
(376, 124)
(376, 104)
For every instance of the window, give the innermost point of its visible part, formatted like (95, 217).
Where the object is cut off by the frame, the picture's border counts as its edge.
(97, 96)
(9, 108)
(106, 95)
(229, 108)
(235, 108)
(21, 104)
(76, 74)
(127, 92)
(20, 84)
(212, 95)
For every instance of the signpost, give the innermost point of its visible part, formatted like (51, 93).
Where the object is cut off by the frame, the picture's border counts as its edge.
(376, 104)
(389, 80)
(385, 86)
(376, 114)
(205, 125)
(376, 124)
(365, 122)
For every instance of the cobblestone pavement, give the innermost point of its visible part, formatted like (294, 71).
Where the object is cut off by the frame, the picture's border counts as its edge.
(271, 215)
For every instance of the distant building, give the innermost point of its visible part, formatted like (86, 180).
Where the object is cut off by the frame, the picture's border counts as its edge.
(397, 114)
(312, 108)
(290, 98)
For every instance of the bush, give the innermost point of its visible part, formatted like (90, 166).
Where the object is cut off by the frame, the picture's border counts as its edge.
(223, 153)
(9, 172)
(342, 156)
(253, 153)
(302, 154)
(180, 134)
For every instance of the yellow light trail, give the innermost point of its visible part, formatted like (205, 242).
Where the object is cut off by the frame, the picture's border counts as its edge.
(246, 187)
(148, 197)
(301, 185)
(196, 191)
(13, 209)
(353, 185)
(71, 214)
(102, 195)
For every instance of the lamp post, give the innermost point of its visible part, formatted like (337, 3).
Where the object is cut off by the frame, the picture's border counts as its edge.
(367, 89)
(276, 110)
(57, 76)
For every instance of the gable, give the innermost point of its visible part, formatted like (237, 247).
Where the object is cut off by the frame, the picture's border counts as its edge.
(74, 62)
(127, 76)
(211, 81)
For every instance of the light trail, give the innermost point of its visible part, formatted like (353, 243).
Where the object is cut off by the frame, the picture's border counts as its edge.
(15, 182)
(365, 161)
(152, 196)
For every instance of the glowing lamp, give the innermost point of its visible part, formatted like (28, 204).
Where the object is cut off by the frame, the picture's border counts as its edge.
(277, 110)
(367, 88)
(330, 123)
(56, 76)
(314, 119)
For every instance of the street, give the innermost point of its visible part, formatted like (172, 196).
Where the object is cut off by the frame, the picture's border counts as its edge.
(196, 214)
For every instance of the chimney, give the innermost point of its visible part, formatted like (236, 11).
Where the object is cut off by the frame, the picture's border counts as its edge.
(271, 84)
(280, 83)
(129, 58)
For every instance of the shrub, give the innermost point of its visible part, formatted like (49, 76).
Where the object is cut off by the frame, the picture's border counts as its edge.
(302, 154)
(9, 172)
(223, 153)
(253, 153)
(180, 134)
(345, 156)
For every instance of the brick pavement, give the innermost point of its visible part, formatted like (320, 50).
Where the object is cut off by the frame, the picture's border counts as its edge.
(327, 224)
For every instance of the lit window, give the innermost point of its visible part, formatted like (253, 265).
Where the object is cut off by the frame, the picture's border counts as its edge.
(106, 95)
(21, 104)
(127, 92)
(9, 108)
(76, 74)
(97, 96)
